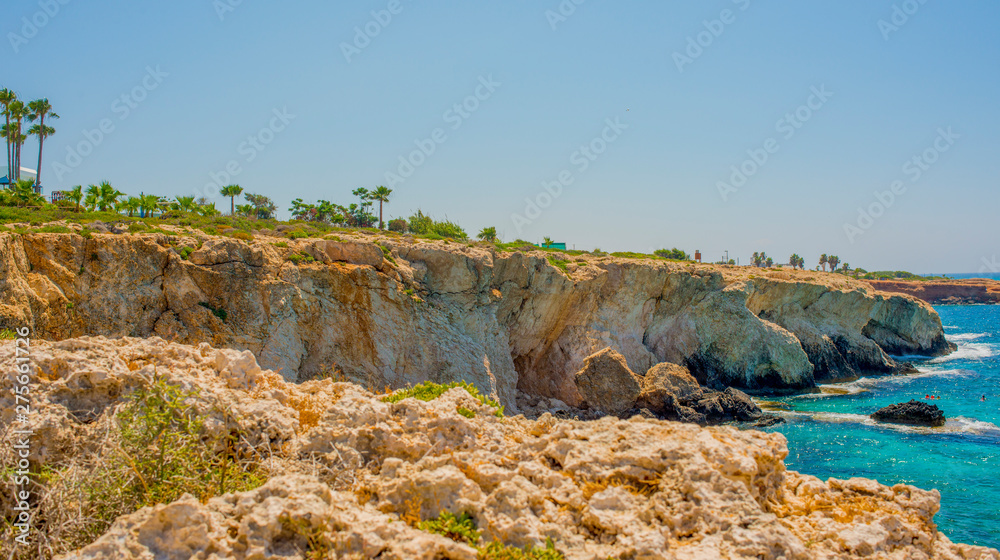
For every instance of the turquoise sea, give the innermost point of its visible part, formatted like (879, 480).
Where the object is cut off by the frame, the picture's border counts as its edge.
(830, 435)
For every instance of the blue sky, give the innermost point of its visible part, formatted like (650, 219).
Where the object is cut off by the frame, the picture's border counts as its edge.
(201, 78)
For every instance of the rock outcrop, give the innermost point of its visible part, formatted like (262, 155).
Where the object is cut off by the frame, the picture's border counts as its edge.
(350, 475)
(396, 310)
(945, 292)
(606, 382)
(914, 412)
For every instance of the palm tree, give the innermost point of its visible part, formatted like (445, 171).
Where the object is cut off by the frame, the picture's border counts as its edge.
(246, 210)
(833, 261)
(75, 196)
(93, 198)
(208, 210)
(23, 193)
(185, 204)
(823, 260)
(232, 191)
(6, 98)
(149, 203)
(107, 196)
(846, 268)
(547, 242)
(488, 234)
(131, 205)
(18, 112)
(40, 108)
(381, 195)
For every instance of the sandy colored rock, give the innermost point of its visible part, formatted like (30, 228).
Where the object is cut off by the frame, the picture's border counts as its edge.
(665, 379)
(504, 321)
(633, 488)
(607, 384)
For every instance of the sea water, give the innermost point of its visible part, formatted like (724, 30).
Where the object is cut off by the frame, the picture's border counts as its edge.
(830, 434)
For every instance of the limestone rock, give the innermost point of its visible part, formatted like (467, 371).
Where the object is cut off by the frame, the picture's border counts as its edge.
(355, 253)
(668, 379)
(607, 383)
(346, 474)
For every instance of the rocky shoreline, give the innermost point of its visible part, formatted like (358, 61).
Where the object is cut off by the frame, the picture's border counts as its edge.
(394, 310)
(352, 474)
(971, 291)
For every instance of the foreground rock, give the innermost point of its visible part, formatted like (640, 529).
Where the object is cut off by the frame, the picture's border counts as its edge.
(914, 412)
(349, 468)
(396, 310)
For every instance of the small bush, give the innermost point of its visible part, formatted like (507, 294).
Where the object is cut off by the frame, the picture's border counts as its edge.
(54, 229)
(185, 252)
(460, 529)
(466, 412)
(398, 225)
(243, 236)
(136, 227)
(428, 391)
(7, 334)
(296, 234)
(281, 244)
(500, 551)
(559, 263)
(299, 258)
(220, 313)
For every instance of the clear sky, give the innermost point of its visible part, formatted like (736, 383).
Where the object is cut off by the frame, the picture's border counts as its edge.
(330, 110)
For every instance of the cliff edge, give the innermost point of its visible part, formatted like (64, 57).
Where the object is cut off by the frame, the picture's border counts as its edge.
(393, 310)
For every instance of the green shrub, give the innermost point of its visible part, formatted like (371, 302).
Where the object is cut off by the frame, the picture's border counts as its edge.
(428, 391)
(136, 227)
(220, 313)
(466, 412)
(420, 224)
(460, 529)
(299, 258)
(281, 244)
(500, 551)
(673, 254)
(54, 229)
(296, 234)
(449, 230)
(242, 236)
(185, 252)
(398, 225)
(559, 263)
(7, 334)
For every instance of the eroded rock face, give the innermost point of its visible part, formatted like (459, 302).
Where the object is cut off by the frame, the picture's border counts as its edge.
(606, 383)
(633, 488)
(445, 312)
(914, 412)
(665, 380)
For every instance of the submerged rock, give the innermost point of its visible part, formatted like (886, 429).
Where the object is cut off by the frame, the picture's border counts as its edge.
(914, 412)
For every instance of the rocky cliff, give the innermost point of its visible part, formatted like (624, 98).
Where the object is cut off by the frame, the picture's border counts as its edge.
(352, 476)
(945, 292)
(395, 310)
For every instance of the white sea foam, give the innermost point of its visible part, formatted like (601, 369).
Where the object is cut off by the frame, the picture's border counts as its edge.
(956, 425)
(968, 351)
(965, 337)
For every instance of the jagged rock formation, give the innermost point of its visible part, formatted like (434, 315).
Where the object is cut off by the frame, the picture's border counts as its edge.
(913, 412)
(349, 474)
(406, 310)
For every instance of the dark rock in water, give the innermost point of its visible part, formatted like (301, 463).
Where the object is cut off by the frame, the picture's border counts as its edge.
(907, 367)
(914, 412)
(768, 420)
(725, 406)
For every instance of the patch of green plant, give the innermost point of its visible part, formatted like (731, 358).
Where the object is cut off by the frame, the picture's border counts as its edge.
(220, 313)
(86, 233)
(333, 238)
(136, 227)
(296, 234)
(7, 334)
(674, 254)
(299, 258)
(53, 229)
(428, 391)
(408, 291)
(460, 528)
(561, 264)
(281, 244)
(499, 551)
(387, 253)
(465, 412)
(185, 252)
(633, 255)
